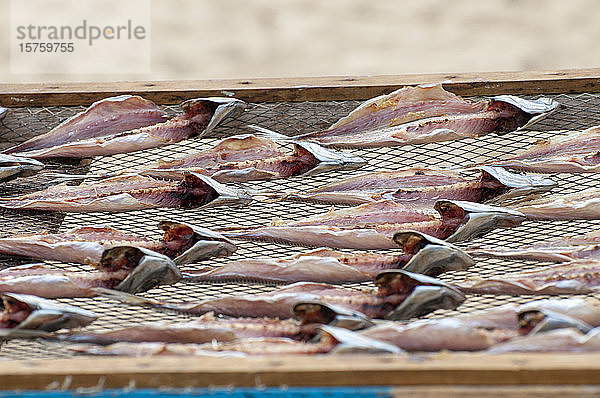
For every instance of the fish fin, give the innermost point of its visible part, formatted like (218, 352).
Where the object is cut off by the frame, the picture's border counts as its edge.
(350, 342)
(270, 134)
(60, 177)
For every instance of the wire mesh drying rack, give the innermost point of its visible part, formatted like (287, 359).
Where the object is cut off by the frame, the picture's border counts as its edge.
(578, 112)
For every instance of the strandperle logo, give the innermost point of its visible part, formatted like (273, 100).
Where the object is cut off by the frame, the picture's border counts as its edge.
(78, 37)
(85, 31)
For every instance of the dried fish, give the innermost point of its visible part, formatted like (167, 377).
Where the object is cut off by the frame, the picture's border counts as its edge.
(30, 316)
(131, 192)
(3, 112)
(209, 327)
(559, 340)
(128, 269)
(484, 329)
(247, 158)
(426, 185)
(581, 205)
(577, 152)
(125, 124)
(12, 167)
(332, 340)
(575, 277)
(425, 114)
(399, 295)
(181, 242)
(556, 250)
(423, 254)
(372, 225)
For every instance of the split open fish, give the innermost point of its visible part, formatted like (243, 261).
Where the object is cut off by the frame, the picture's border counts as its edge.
(484, 329)
(581, 205)
(421, 253)
(575, 277)
(208, 328)
(331, 340)
(373, 225)
(399, 295)
(181, 242)
(556, 250)
(26, 316)
(576, 152)
(248, 158)
(425, 114)
(558, 340)
(422, 186)
(125, 124)
(131, 192)
(12, 167)
(123, 268)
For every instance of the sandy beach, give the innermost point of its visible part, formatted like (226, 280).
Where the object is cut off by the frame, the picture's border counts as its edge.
(261, 38)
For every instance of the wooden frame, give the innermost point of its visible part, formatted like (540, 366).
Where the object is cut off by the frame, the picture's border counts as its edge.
(302, 89)
(463, 371)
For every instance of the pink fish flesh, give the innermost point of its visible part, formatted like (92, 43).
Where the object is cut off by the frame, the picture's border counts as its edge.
(85, 245)
(424, 114)
(110, 132)
(129, 192)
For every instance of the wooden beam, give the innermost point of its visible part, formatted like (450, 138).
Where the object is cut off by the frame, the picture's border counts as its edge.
(413, 370)
(303, 89)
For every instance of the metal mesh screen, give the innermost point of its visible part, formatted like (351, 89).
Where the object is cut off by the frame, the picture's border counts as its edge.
(578, 112)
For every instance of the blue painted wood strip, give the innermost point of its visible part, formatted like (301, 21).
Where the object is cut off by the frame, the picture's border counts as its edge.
(291, 392)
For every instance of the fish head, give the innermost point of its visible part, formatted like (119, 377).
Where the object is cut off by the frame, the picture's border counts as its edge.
(27, 312)
(328, 314)
(147, 268)
(534, 321)
(477, 219)
(211, 111)
(531, 111)
(345, 341)
(330, 160)
(192, 243)
(424, 293)
(431, 256)
(200, 191)
(17, 166)
(511, 185)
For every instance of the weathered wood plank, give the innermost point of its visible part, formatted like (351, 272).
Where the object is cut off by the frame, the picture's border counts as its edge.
(436, 369)
(303, 89)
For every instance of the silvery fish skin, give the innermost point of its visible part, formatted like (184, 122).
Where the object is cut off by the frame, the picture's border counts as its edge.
(559, 340)
(399, 295)
(181, 242)
(575, 277)
(555, 250)
(208, 327)
(332, 340)
(123, 268)
(426, 185)
(422, 254)
(484, 329)
(3, 112)
(131, 192)
(582, 205)
(425, 114)
(577, 152)
(373, 225)
(127, 124)
(247, 158)
(12, 167)
(26, 315)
